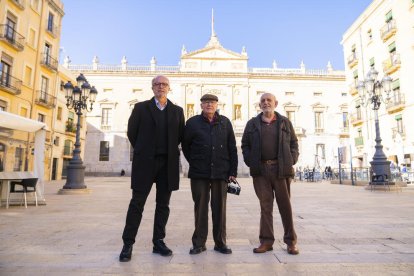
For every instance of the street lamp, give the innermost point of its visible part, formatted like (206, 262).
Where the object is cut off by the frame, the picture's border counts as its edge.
(78, 98)
(370, 91)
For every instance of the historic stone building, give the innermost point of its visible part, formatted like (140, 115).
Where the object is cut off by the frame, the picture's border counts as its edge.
(382, 37)
(316, 101)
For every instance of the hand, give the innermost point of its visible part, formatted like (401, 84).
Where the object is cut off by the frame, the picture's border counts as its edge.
(232, 178)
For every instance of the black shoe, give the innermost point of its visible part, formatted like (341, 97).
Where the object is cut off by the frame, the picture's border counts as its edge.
(126, 253)
(223, 249)
(197, 249)
(161, 248)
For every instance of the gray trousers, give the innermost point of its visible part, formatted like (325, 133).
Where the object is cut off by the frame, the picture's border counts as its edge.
(200, 190)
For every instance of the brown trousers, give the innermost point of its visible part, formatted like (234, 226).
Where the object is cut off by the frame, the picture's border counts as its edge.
(267, 187)
(200, 189)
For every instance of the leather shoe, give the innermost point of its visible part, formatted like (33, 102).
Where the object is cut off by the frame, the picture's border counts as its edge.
(263, 248)
(126, 253)
(161, 248)
(197, 249)
(223, 249)
(292, 250)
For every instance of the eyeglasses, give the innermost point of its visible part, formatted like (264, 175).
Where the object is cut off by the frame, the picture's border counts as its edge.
(160, 84)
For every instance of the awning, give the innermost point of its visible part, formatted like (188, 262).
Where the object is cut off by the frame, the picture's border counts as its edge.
(16, 122)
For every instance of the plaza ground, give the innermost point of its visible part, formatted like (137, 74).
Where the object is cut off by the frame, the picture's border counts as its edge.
(342, 230)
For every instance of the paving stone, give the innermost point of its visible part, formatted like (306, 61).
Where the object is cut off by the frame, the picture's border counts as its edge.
(342, 230)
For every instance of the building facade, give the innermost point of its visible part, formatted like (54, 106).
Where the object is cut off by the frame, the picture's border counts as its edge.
(30, 82)
(382, 38)
(316, 101)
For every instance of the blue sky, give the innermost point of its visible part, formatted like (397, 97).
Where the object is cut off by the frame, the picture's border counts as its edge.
(287, 31)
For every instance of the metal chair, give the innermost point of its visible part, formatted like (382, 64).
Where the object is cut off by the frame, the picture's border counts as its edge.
(28, 186)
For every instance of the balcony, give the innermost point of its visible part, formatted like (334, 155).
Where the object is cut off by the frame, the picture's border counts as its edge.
(352, 60)
(52, 29)
(392, 64)
(353, 90)
(359, 141)
(49, 62)
(344, 132)
(396, 131)
(356, 119)
(48, 137)
(300, 131)
(10, 84)
(45, 99)
(18, 3)
(388, 30)
(70, 128)
(10, 36)
(396, 103)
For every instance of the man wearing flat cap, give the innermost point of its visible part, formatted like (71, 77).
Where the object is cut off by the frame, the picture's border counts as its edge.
(209, 146)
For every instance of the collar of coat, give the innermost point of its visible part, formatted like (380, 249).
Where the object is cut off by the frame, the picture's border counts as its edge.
(258, 119)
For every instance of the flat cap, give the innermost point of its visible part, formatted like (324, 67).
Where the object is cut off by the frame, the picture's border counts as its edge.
(209, 97)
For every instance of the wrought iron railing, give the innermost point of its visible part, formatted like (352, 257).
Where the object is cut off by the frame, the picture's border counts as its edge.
(49, 61)
(10, 84)
(9, 34)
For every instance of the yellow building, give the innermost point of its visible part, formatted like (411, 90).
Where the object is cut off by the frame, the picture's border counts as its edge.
(30, 82)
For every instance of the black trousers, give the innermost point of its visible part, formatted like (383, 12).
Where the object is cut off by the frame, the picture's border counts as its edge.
(200, 190)
(162, 209)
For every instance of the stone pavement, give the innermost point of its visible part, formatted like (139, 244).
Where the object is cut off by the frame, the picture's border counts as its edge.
(342, 230)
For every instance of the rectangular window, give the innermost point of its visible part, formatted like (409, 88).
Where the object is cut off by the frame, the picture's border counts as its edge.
(345, 122)
(59, 114)
(359, 132)
(106, 119)
(372, 62)
(28, 76)
(56, 141)
(104, 151)
(344, 94)
(18, 159)
(23, 112)
(41, 117)
(317, 94)
(5, 70)
(289, 93)
(10, 28)
(400, 126)
(318, 121)
(3, 105)
(50, 22)
(32, 38)
(291, 116)
(388, 16)
(392, 47)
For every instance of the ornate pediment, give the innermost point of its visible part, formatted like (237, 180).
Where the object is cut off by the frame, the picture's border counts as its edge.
(213, 53)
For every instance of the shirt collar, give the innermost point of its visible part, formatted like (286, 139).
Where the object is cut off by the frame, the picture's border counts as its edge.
(158, 104)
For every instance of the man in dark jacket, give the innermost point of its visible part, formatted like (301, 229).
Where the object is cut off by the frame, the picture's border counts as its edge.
(209, 146)
(155, 129)
(270, 149)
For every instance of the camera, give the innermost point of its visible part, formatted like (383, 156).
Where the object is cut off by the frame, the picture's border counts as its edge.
(233, 187)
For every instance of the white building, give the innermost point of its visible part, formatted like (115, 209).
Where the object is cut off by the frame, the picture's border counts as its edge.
(316, 101)
(382, 37)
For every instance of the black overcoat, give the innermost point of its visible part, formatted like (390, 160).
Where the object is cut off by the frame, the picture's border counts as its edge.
(141, 133)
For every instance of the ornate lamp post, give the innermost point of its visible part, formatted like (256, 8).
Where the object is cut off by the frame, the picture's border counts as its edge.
(78, 98)
(370, 91)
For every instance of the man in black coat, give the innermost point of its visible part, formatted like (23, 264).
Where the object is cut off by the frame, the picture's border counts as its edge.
(209, 146)
(155, 129)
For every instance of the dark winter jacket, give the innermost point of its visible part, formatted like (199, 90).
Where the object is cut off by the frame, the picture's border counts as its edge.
(210, 149)
(288, 149)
